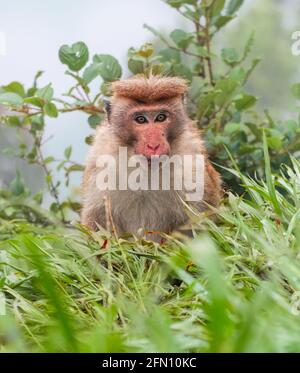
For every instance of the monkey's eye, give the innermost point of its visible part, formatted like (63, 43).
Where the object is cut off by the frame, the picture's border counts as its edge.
(161, 117)
(140, 119)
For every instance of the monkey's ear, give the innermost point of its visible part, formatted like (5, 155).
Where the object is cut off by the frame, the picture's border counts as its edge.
(107, 107)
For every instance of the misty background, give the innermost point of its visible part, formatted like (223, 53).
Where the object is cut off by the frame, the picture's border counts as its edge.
(35, 31)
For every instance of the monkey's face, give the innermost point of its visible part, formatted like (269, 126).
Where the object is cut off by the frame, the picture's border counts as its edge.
(149, 129)
(151, 132)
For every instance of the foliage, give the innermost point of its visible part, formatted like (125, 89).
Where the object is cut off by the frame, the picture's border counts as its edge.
(234, 288)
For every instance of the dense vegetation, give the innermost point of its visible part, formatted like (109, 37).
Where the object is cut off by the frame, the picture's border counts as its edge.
(234, 287)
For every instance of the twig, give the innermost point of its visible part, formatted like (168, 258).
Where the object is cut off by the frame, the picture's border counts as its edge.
(200, 42)
(79, 92)
(207, 44)
(185, 15)
(85, 108)
(53, 188)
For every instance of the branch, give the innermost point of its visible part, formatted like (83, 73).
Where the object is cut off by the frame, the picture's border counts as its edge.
(52, 187)
(90, 109)
(200, 41)
(207, 44)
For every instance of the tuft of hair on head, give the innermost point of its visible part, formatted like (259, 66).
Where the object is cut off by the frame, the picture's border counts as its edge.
(150, 89)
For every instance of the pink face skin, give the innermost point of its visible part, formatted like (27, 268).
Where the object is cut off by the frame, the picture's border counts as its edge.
(150, 129)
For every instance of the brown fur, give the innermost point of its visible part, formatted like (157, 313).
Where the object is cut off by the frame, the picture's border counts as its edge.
(140, 211)
(149, 89)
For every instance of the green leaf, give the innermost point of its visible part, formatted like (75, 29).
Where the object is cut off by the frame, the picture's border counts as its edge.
(90, 73)
(68, 152)
(169, 55)
(135, 66)
(35, 101)
(290, 125)
(106, 89)
(231, 128)
(181, 38)
(50, 109)
(75, 56)
(229, 56)
(89, 140)
(32, 154)
(109, 67)
(94, 121)
(17, 185)
(270, 183)
(135, 61)
(14, 121)
(237, 73)
(245, 102)
(251, 69)
(175, 3)
(234, 6)
(75, 206)
(254, 129)
(9, 211)
(248, 46)
(201, 51)
(227, 89)
(46, 93)
(75, 167)
(10, 98)
(157, 69)
(36, 78)
(205, 102)
(38, 198)
(274, 142)
(49, 159)
(15, 87)
(296, 90)
(178, 3)
(37, 122)
(183, 71)
(217, 7)
(31, 91)
(146, 50)
(222, 21)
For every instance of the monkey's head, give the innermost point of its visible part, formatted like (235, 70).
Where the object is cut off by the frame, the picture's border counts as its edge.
(148, 114)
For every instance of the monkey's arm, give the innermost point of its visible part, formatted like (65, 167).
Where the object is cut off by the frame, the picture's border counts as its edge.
(212, 185)
(93, 210)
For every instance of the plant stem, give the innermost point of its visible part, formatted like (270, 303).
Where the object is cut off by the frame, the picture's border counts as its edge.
(207, 44)
(199, 40)
(52, 188)
(91, 109)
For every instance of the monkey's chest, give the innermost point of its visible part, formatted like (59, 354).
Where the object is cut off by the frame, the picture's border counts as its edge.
(151, 210)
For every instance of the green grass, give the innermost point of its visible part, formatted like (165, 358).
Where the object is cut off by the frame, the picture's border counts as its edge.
(233, 288)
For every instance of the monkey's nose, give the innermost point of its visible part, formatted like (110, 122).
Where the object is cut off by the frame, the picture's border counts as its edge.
(153, 147)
